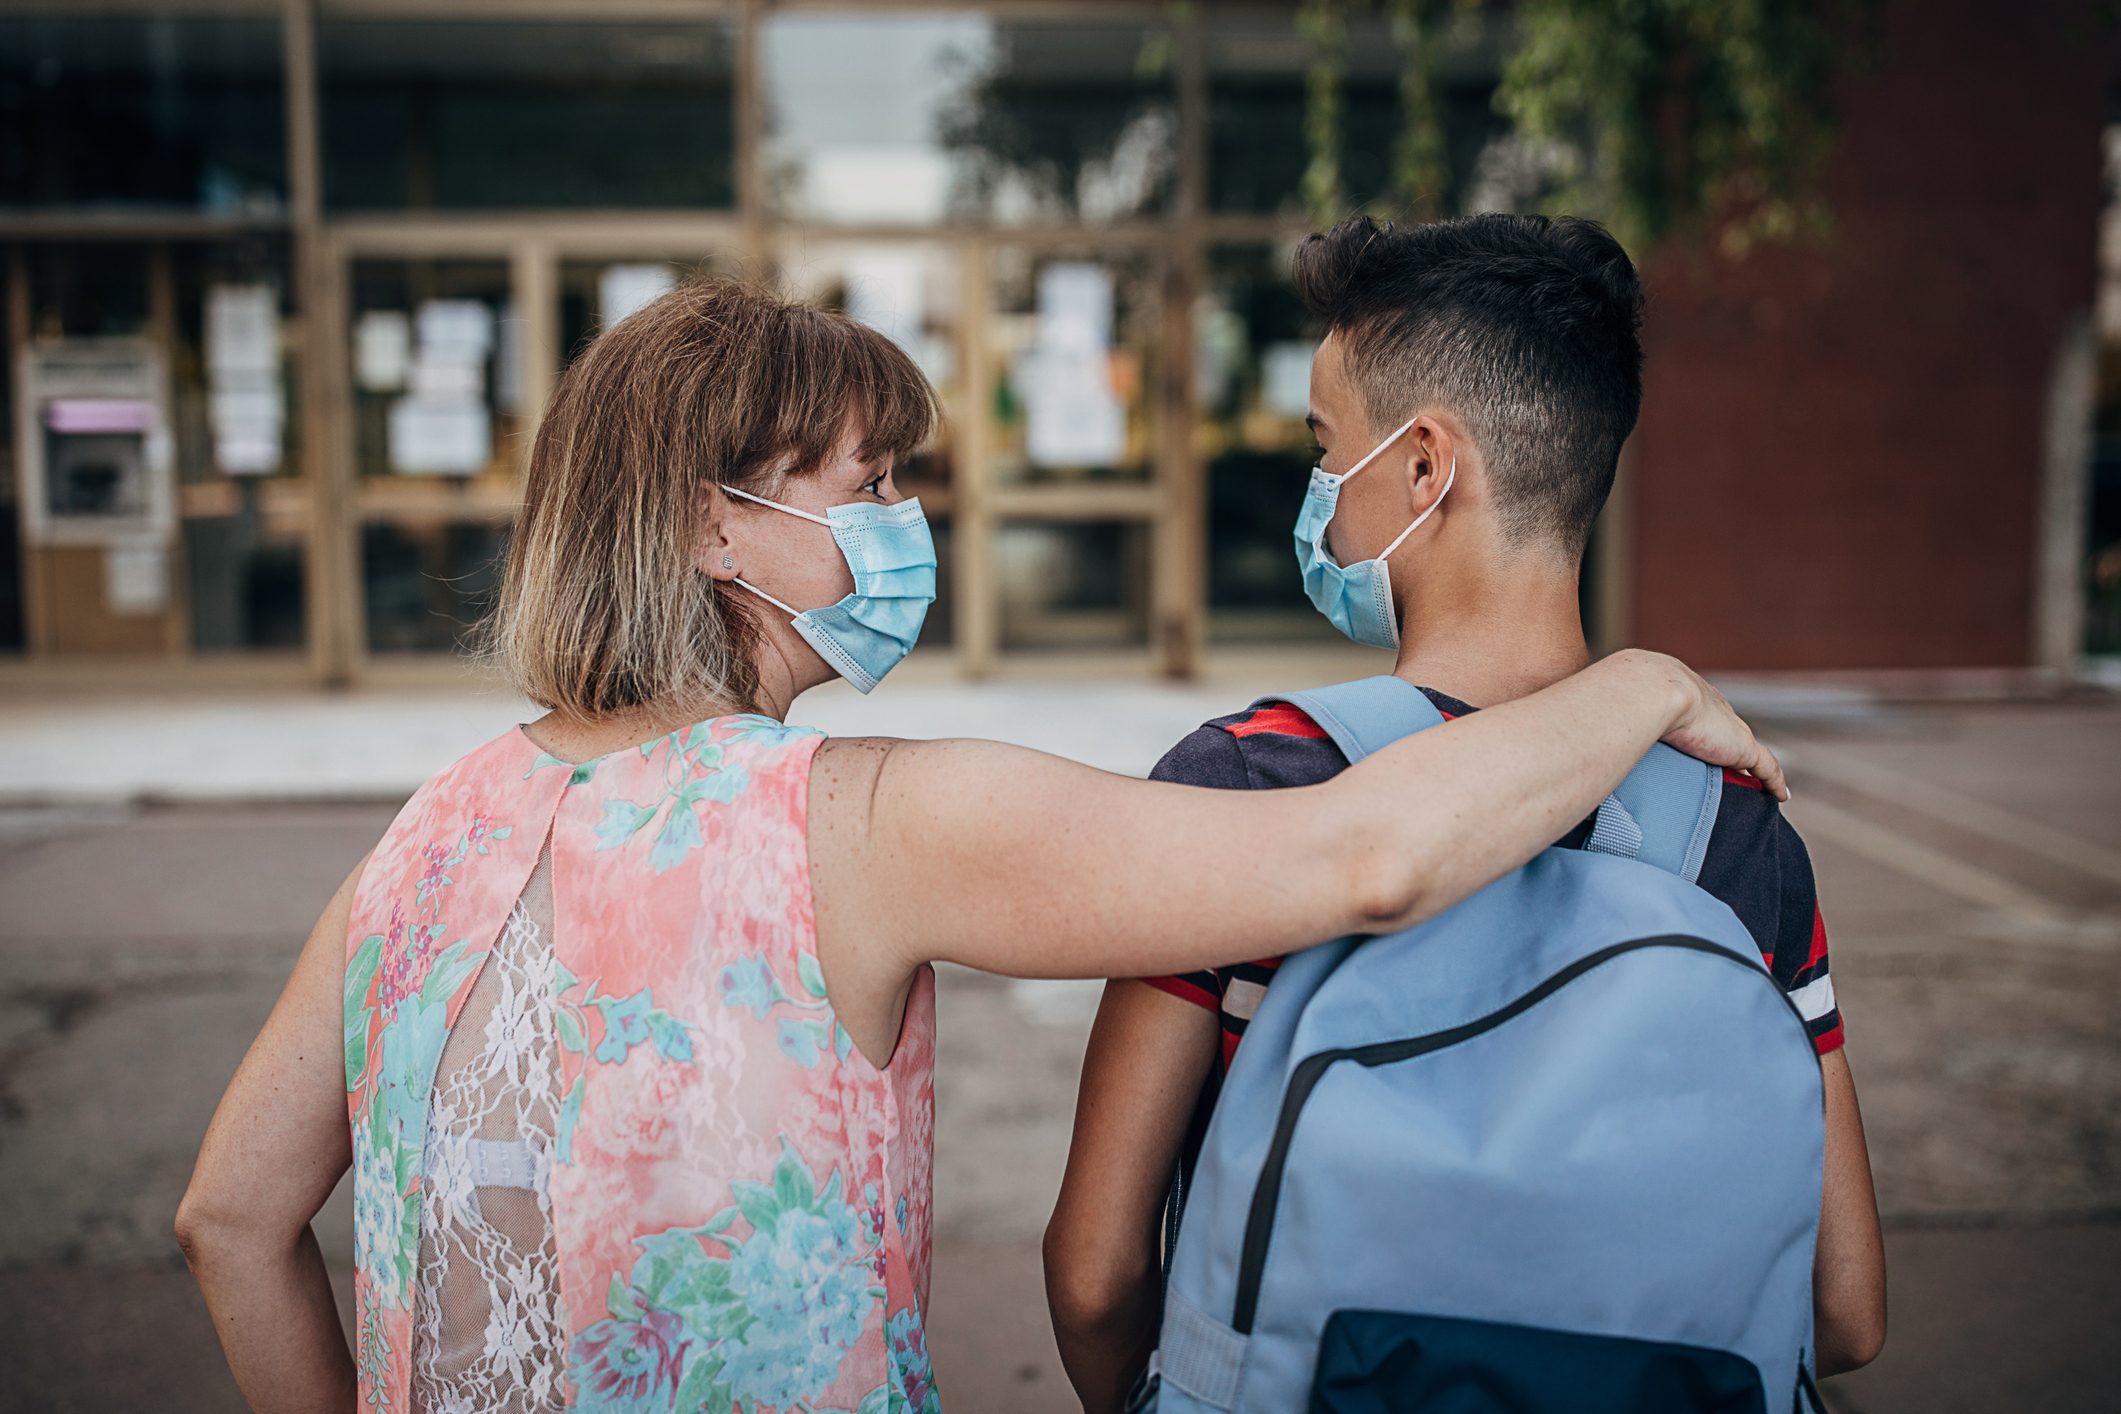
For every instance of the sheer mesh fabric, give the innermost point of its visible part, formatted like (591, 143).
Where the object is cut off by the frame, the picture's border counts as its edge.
(488, 1329)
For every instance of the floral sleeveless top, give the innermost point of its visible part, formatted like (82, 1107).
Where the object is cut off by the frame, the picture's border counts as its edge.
(611, 1149)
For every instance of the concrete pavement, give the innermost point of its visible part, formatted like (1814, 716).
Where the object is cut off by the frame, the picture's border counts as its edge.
(1970, 865)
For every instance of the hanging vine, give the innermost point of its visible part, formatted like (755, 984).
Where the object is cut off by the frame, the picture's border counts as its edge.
(1422, 31)
(1324, 25)
(1663, 115)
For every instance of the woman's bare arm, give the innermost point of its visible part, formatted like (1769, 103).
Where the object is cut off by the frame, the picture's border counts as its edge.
(1016, 862)
(278, 1144)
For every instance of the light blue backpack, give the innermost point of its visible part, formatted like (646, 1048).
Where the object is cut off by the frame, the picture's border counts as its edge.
(1557, 1149)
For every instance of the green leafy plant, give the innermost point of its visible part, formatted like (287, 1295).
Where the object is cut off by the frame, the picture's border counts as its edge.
(1660, 116)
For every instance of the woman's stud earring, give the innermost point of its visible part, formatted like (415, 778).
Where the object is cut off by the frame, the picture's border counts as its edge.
(728, 562)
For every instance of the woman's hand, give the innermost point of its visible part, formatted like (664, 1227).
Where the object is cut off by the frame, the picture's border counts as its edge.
(1704, 725)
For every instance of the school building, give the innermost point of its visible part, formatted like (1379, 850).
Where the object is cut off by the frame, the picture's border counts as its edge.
(284, 283)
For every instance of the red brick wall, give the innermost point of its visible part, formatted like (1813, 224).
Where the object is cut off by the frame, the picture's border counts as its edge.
(1839, 460)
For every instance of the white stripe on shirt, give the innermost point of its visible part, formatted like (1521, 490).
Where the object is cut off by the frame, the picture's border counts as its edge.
(1814, 999)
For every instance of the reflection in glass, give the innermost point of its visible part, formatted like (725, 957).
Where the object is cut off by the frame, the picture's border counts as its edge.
(1075, 353)
(484, 114)
(427, 584)
(436, 370)
(245, 579)
(1074, 585)
(1252, 362)
(932, 116)
(165, 110)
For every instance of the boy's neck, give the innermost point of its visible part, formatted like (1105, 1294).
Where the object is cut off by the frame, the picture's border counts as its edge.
(1494, 637)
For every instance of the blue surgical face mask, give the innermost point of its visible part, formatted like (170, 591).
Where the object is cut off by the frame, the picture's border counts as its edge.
(1357, 598)
(892, 556)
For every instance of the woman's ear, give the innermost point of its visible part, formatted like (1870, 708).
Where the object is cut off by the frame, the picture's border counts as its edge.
(715, 554)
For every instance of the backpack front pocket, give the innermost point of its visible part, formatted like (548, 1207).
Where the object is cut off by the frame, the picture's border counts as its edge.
(1387, 1362)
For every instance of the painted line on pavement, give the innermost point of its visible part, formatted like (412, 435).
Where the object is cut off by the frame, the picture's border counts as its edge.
(1946, 873)
(1959, 810)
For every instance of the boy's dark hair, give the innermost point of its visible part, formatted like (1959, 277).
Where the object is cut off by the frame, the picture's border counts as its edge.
(1528, 327)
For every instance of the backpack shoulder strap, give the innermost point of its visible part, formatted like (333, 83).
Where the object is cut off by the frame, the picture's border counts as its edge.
(1662, 813)
(1366, 715)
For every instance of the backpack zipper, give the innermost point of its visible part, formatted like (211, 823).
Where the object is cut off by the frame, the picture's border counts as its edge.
(1266, 1197)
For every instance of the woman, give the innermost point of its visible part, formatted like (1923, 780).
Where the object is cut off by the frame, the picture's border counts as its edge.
(626, 1026)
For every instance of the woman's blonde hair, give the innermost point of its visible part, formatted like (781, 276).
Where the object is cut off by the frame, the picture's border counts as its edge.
(602, 606)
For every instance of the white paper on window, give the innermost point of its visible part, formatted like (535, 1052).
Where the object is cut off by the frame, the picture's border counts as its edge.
(1285, 378)
(439, 436)
(382, 350)
(622, 289)
(136, 578)
(1072, 416)
(246, 409)
(887, 290)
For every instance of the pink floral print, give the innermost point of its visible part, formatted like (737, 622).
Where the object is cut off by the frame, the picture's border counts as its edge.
(740, 1199)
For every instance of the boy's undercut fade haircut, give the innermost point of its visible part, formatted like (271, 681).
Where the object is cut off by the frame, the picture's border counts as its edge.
(1527, 327)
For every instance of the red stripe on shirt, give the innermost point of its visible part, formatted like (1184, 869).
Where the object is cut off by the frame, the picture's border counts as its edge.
(1186, 991)
(1740, 778)
(1830, 1041)
(1281, 719)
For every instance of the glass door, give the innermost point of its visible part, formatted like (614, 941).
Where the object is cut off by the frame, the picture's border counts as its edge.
(454, 334)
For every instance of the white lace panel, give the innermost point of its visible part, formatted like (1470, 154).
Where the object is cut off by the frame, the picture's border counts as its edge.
(488, 1330)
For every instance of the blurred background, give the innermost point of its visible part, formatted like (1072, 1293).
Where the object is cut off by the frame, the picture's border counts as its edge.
(285, 283)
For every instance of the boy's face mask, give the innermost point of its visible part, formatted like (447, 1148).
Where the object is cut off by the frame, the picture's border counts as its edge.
(892, 555)
(1356, 599)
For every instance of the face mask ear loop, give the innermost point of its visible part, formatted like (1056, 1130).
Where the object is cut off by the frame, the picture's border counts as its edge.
(1376, 451)
(1449, 478)
(791, 613)
(791, 510)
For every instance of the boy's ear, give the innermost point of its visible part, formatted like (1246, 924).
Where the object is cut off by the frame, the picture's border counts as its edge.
(714, 554)
(1430, 449)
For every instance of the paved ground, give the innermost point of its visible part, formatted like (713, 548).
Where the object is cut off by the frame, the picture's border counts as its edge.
(1970, 860)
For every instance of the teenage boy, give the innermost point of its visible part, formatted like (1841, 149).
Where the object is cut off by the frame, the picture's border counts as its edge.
(1480, 375)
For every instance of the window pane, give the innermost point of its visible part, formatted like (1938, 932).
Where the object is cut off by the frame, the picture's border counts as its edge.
(1257, 151)
(87, 289)
(1075, 351)
(982, 118)
(231, 382)
(245, 571)
(14, 631)
(1253, 346)
(2102, 547)
(1074, 586)
(597, 293)
(427, 584)
(142, 111)
(477, 114)
(436, 379)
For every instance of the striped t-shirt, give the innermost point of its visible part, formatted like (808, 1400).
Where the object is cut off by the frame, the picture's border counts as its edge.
(1755, 861)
